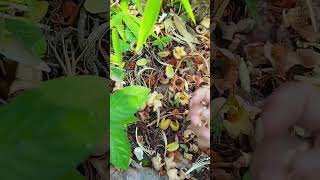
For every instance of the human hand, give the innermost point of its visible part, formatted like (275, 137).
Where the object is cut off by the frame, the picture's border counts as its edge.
(200, 116)
(293, 104)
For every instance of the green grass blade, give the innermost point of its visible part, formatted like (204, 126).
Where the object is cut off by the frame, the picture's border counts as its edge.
(138, 4)
(116, 46)
(187, 6)
(124, 5)
(150, 16)
(131, 24)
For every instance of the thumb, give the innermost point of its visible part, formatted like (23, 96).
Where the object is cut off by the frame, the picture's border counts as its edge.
(307, 164)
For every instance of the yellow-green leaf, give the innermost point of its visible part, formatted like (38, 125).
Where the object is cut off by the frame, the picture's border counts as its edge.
(37, 10)
(143, 62)
(116, 47)
(173, 146)
(187, 6)
(169, 71)
(150, 16)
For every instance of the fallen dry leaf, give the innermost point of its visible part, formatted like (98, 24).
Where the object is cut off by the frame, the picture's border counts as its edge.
(229, 70)
(70, 11)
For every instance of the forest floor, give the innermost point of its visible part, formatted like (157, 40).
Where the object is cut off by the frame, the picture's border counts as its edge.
(186, 49)
(257, 47)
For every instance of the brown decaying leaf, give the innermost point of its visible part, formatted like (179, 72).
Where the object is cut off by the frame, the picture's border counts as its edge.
(70, 11)
(230, 72)
(178, 83)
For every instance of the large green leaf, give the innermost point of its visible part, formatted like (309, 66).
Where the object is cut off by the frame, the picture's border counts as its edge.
(187, 6)
(15, 50)
(119, 147)
(37, 10)
(47, 131)
(150, 16)
(124, 103)
(29, 34)
(96, 6)
(72, 175)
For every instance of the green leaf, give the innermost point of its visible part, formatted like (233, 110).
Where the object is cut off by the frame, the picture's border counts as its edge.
(169, 71)
(161, 42)
(150, 16)
(72, 175)
(37, 10)
(29, 33)
(252, 6)
(217, 127)
(117, 74)
(131, 24)
(246, 176)
(50, 129)
(130, 120)
(116, 46)
(96, 6)
(130, 36)
(124, 46)
(185, 148)
(166, 40)
(15, 50)
(116, 21)
(119, 147)
(124, 5)
(143, 62)
(187, 7)
(138, 4)
(126, 102)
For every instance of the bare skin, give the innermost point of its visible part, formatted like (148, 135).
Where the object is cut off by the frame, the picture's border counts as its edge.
(293, 104)
(199, 114)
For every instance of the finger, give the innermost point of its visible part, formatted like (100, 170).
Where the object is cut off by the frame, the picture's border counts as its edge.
(203, 133)
(307, 164)
(202, 94)
(206, 114)
(271, 156)
(203, 143)
(195, 114)
(289, 105)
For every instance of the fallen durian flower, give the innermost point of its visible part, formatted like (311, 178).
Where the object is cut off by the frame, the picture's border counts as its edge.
(179, 52)
(163, 54)
(154, 100)
(173, 146)
(174, 126)
(182, 97)
(156, 162)
(188, 135)
(164, 124)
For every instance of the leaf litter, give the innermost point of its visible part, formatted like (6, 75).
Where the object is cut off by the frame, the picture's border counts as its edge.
(172, 66)
(252, 56)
